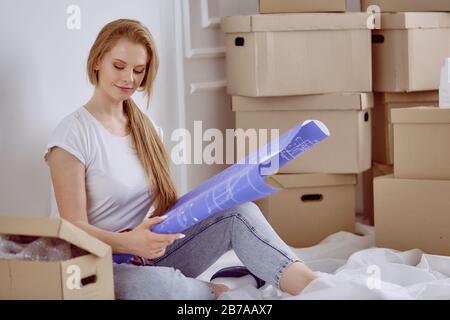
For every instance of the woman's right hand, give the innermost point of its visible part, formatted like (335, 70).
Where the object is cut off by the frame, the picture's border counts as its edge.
(142, 242)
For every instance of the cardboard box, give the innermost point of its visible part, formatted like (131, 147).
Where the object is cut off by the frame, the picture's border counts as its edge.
(382, 129)
(30, 279)
(412, 214)
(421, 143)
(347, 116)
(366, 181)
(310, 207)
(295, 54)
(295, 6)
(407, 5)
(409, 51)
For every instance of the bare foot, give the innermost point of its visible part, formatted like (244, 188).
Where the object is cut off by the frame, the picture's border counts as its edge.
(295, 278)
(218, 289)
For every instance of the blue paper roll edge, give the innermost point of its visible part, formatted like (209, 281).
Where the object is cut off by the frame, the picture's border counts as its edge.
(320, 124)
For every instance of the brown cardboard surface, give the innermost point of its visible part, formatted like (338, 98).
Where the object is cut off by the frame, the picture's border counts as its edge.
(24, 279)
(102, 289)
(421, 137)
(52, 227)
(266, 56)
(333, 101)
(347, 150)
(415, 20)
(381, 169)
(402, 59)
(382, 130)
(412, 214)
(421, 115)
(303, 223)
(407, 5)
(284, 6)
(294, 22)
(411, 97)
(287, 181)
(33, 280)
(378, 169)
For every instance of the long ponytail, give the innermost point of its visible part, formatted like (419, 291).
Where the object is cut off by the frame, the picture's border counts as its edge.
(153, 156)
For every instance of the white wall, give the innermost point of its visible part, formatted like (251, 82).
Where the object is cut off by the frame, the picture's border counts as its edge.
(43, 78)
(201, 72)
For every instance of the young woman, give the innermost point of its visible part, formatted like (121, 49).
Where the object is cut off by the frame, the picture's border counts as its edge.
(109, 167)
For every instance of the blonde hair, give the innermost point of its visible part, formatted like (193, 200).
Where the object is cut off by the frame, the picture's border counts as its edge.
(149, 147)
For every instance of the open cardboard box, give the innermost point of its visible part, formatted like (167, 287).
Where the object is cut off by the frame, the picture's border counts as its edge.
(88, 276)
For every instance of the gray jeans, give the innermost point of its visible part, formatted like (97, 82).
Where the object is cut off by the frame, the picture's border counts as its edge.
(173, 276)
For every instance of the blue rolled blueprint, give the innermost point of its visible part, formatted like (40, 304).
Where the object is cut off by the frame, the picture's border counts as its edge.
(239, 183)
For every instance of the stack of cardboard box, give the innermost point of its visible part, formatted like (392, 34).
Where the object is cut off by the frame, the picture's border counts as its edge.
(408, 52)
(284, 68)
(412, 206)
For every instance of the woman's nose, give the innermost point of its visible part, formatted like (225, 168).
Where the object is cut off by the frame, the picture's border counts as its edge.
(129, 77)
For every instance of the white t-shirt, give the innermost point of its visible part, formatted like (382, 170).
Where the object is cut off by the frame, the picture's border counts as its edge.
(116, 187)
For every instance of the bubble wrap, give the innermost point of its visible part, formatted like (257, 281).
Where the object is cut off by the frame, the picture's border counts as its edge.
(37, 248)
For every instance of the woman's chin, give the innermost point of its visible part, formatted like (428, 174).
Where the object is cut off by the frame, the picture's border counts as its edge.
(120, 97)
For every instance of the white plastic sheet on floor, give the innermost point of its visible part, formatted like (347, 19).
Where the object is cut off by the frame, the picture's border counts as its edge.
(350, 267)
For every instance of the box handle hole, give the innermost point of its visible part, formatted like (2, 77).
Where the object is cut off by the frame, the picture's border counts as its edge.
(312, 197)
(239, 41)
(89, 280)
(366, 116)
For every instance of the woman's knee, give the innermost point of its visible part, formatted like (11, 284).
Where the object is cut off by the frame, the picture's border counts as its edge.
(247, 210)
(250, 211)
